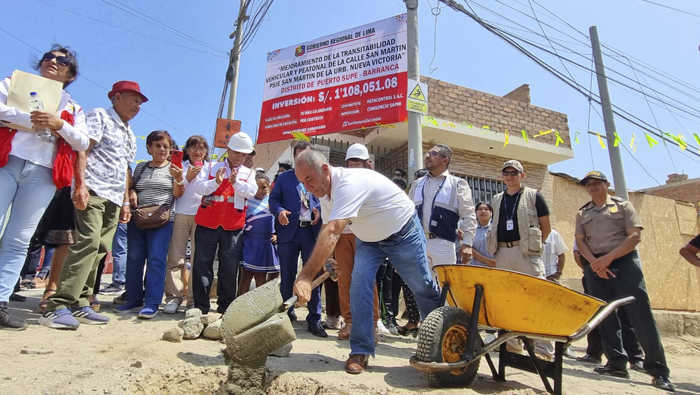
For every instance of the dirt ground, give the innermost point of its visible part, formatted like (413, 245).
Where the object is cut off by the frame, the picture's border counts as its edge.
(127, 357)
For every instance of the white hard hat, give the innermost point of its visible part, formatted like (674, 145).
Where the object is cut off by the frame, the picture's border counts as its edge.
(357, 151)
(241, 142)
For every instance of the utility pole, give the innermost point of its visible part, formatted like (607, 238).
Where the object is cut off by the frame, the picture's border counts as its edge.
(415, 133)
(234, 62)
(608, 118)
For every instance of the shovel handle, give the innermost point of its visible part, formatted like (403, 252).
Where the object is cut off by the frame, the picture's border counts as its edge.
(323, 277)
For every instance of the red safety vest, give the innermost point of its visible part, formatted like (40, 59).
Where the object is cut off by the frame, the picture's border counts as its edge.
(222, 212)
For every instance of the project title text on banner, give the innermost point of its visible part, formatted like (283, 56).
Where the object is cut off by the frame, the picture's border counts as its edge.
(348, 80)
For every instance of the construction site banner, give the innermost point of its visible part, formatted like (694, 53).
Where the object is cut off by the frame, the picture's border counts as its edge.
(345, 81)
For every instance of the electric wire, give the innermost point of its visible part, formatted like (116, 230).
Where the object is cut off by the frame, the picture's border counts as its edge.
(672, 8)
(73, 12)
(620, 112)
(436, 11)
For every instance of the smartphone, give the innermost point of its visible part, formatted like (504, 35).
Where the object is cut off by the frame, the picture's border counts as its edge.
(176, 158)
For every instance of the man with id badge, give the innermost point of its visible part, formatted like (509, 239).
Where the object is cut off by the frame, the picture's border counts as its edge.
(521, 221)
(520, 226)
(297, 223)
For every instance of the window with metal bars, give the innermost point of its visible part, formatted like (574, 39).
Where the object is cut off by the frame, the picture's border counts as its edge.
(483, 189)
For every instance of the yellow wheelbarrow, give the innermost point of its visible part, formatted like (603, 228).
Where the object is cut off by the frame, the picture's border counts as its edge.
(519, 306)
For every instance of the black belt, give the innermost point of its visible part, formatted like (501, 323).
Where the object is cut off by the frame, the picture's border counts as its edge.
(304, 224)
(432, 236)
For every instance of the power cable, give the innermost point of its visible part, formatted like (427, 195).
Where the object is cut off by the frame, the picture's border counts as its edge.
(73, 12)
(621, 113)
(436, 11)
(671, 8)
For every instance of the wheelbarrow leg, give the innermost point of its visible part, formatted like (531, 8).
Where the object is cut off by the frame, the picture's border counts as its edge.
(538, 365)
(502, 358)
(473, 333)
(558, 369)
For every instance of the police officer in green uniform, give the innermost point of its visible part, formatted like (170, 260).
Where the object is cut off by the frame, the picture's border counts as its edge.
(608, 230)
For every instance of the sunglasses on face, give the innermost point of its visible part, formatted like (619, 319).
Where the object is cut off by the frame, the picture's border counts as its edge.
(511, 173)
(61, 60)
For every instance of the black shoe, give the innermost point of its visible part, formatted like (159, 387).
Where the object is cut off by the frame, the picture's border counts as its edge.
(612, 371)
(10, 322)
(317, 330)
(638, 366)
(17, 298)
(663, 383)
(588, 358)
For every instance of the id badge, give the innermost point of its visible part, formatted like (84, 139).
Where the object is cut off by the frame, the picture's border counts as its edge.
(509, 224)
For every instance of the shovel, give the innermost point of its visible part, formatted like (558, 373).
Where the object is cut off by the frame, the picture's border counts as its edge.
(256, 323)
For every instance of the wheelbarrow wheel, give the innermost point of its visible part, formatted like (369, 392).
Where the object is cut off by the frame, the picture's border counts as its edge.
(443, 338)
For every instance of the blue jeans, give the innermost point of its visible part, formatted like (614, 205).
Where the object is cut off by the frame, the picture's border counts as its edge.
(32, 187)
(146, 245)
(406, 252)
(303, 241)
(119, 255)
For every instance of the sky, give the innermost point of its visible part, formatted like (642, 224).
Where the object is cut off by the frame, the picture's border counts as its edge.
(177, 51)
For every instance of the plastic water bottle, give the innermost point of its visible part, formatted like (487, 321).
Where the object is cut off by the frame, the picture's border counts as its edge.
(37, 104)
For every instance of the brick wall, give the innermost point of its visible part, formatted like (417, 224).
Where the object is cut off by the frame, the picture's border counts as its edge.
(683, 191)
(459, 104)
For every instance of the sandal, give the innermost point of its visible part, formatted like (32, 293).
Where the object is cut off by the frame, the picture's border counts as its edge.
(94, 303)
(406, 331)
(45, 299)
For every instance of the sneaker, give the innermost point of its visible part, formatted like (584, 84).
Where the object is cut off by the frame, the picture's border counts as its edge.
(663, 383)
(612, 371)
(391, 328)
(10, 321)
(15, 297)
(119, 300)
(545, 356)
(87, 315)
(59, 319)
(113, 288)
(128, 307)
(331, 322)
(171, 307)
(148, 312)
(381, 329)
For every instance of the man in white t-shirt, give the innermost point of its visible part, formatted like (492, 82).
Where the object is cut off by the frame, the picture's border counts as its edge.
(554, 256)
(385, 224)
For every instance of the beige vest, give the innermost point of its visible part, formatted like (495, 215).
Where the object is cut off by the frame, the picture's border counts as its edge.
(528, 224)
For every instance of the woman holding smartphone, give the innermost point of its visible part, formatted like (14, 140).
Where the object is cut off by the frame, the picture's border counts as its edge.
(194, 156)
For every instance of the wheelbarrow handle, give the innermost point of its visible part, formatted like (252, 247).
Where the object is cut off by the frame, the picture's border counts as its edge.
(328, 272)
(599, 317)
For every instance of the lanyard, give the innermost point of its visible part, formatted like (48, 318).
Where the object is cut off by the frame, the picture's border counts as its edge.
(304, 196)
(515, 206)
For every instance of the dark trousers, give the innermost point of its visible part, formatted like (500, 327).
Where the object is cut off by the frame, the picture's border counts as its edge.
(303, 242)
(332, 300)
(385, 290)
(230, 245)
(628, 281)
(629, 337)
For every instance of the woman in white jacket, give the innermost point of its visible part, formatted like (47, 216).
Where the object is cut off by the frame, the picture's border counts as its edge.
(26, 168)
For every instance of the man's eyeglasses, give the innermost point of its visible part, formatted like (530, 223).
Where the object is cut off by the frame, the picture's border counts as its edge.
(61, 60)
(433, 154)
(511, 173)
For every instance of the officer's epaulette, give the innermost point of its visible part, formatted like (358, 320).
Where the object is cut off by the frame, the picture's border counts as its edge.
(617, 199)
(584, 206)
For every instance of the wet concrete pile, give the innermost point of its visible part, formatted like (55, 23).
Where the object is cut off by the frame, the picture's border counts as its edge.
(253, 326)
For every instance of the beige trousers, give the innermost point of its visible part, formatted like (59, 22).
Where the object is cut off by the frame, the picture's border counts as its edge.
(183, 230)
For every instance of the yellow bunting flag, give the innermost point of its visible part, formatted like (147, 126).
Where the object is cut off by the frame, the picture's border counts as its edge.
(527, 140)
(600, 140)
(633, 145)
(697, 139)
(431, 120)
(559, 139)
(448, 124)
(487, 127)
(301, 136)
(681, 142)
(576, 139)
(507, 139)
(617, 140)
(652, 142)
(386, 126)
